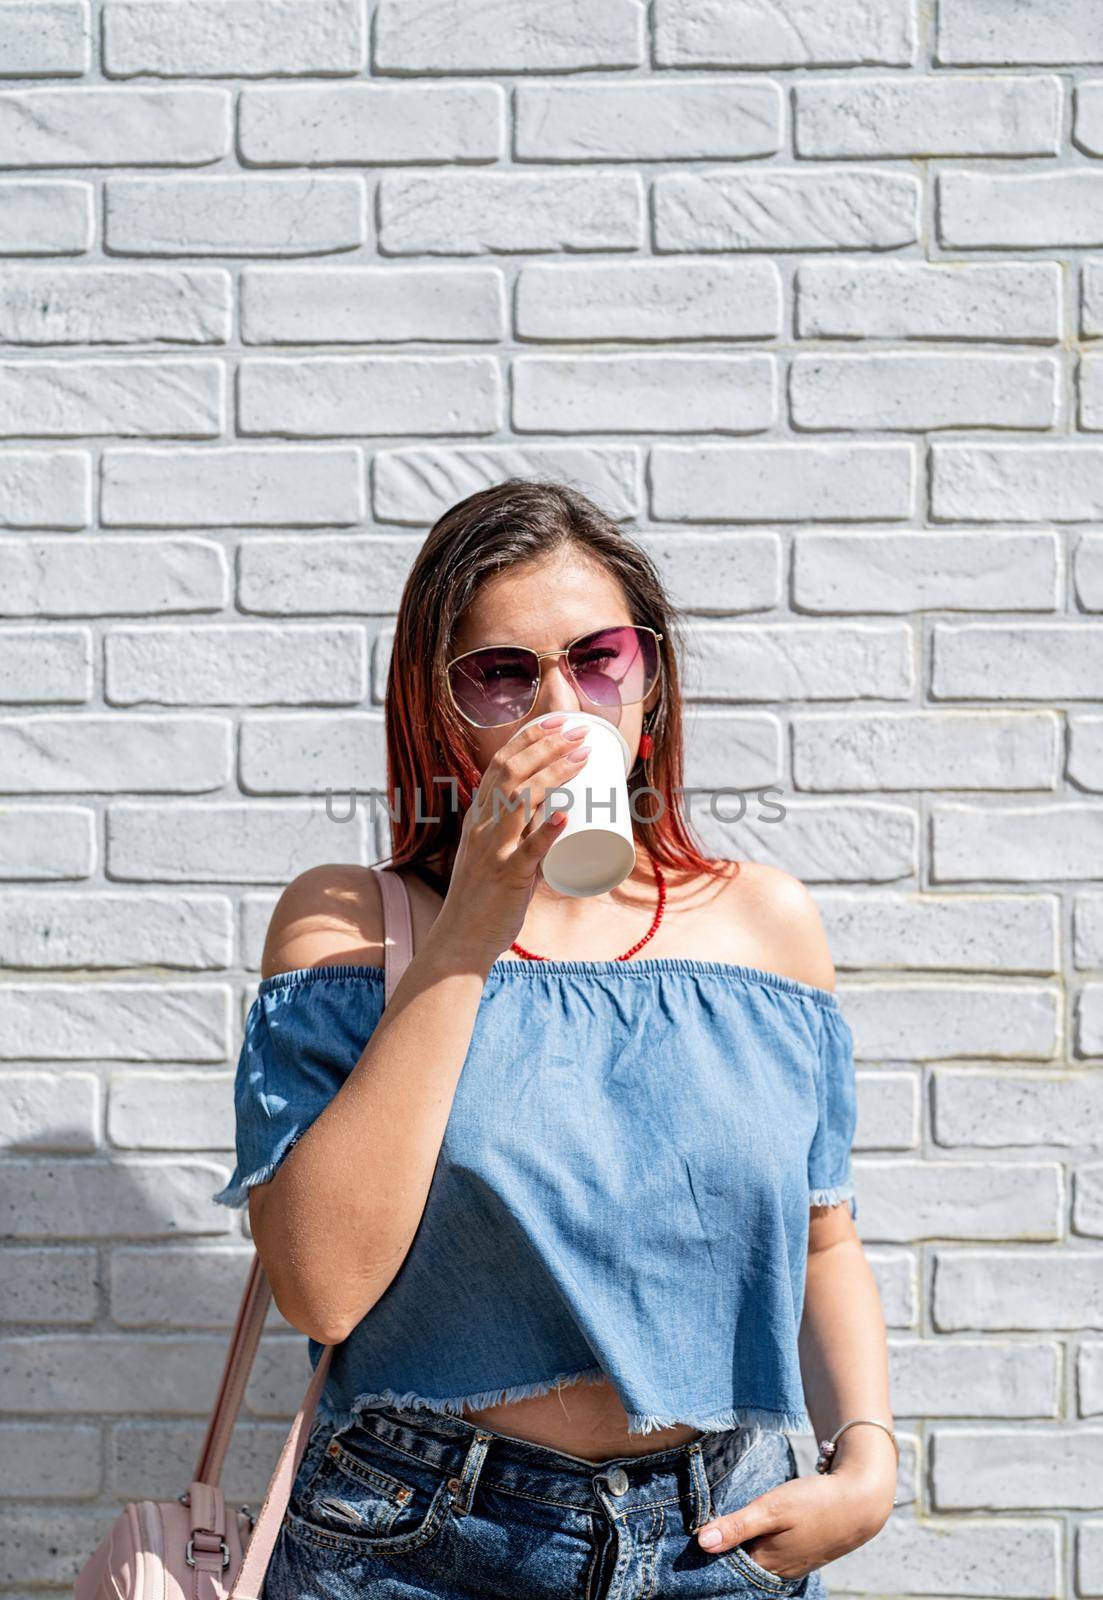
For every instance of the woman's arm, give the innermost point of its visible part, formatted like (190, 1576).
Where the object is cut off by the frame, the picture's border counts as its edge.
(844, 1362)
(336, 1221)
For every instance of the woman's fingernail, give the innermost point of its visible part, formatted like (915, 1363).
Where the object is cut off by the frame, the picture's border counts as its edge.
(709, 1537)
(553, 720)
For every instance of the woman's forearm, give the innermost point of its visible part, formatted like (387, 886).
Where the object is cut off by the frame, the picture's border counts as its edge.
(844, 1366)
(336, 1221)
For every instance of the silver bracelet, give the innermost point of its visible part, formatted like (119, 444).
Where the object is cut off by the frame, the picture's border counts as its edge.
(827, 1446)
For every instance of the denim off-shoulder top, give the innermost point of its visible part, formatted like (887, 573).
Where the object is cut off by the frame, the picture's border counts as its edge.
(622, 1190)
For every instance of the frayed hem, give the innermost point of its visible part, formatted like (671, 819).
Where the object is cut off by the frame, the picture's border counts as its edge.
(752, 1420)
(455, 1405)
(236, 1194)
(833, 1195)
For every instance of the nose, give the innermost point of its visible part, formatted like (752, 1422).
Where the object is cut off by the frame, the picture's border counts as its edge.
(556, 692)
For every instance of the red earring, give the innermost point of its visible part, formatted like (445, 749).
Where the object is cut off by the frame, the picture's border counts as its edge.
(647, 745)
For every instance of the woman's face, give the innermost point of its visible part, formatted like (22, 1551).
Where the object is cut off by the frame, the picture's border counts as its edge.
(546, 605)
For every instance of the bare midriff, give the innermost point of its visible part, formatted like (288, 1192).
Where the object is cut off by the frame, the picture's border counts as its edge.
(581, 1419)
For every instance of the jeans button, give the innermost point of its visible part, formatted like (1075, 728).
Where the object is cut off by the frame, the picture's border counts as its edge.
(617, 1480)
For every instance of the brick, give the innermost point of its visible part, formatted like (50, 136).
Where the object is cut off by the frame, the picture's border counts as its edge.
(1089, 1020)
(974, 1378)
(740, 33)
(894, 1271)
(416, 486)
(150, 1458)
(69, 1197)
(196, 1287)
(371, 123)
(371, 305)
(45, 38)
(841, 842)
(469, 213)
(1089, 572)
(981, 1469)
(716, 739)
(780, 661)
(108, 127)
(1085, 759)
(423, 36)
(233, 38)
(646, 121)
(904, 1201)
(89, 1372)
(41, 1547)
(993, 570)
(329, 396)
(775, 209)
(920, 391)
(254, 215)
(56, 1284)
(251, 485)
(1091, 393)
(1017, 482)
(114, 305)
(105, 928)
(319, 575)
(951, 116)
(1025, 661)
(235, 665)
(996, 1290)
(37, 667)
(313, 754)
(46, 216)
(45, 1460)
(151, 399)
(49, 1111)
(1088, 122)
(103, 576)
(1015, 844)
(251, 842)
(1089, 1378)
(782, 482)
(649, 300)
(936, 1021)
(888, 1111)
(1087, 936)
(1010, 301)
(996, 211)
(986, 933)
(55, 753)
(927, 750)
(170, 1111)
(644, 393)
(45, 489)
(1087, 1193)
(1003, 1109)
(991, 33)
(41, 844)
(1091, 297)
(975, 1556)
(714, 572)
(115, 1021)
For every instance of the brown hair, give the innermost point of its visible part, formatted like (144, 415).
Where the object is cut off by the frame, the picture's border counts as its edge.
(509, 523)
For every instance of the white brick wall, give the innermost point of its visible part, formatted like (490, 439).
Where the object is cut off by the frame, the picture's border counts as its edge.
(810, 293)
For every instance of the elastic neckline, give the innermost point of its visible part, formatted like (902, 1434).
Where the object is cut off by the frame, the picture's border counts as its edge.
(530, 971)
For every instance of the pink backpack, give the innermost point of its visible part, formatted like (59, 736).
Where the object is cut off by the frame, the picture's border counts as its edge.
(191, 1548)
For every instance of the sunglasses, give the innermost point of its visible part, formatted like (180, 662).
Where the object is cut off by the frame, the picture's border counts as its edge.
(498, 684)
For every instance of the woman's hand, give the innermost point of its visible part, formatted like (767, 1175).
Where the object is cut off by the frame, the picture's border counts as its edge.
(497, 861)
(807, 1521)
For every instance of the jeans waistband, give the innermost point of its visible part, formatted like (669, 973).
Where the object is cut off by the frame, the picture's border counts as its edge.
(469, 1453)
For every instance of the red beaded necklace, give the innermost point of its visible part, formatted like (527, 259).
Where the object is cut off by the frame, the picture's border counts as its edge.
(529, 956)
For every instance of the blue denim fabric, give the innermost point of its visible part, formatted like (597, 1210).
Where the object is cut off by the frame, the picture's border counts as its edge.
(622, 1189)
(401, 1505)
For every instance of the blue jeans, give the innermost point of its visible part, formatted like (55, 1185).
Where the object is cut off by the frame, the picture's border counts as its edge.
(405, 1503)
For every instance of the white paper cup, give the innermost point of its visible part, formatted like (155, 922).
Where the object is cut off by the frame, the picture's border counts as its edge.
(595, 849)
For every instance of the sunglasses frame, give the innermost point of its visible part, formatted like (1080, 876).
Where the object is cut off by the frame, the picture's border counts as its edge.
(541, 655)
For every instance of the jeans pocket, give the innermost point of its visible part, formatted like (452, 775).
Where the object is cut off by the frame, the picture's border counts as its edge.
(370, 1497)
(768, 1462)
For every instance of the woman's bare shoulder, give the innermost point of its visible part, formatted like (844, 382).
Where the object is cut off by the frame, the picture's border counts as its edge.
(781, 913)
(330, 913)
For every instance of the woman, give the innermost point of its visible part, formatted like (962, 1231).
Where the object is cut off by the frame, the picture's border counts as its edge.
(561, 1204)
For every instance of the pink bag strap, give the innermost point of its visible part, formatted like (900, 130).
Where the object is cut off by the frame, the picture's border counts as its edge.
(398, 930)
(398, 945)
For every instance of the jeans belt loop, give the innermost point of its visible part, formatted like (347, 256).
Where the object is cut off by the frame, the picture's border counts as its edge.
(702, 1495)
(463, 1487)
